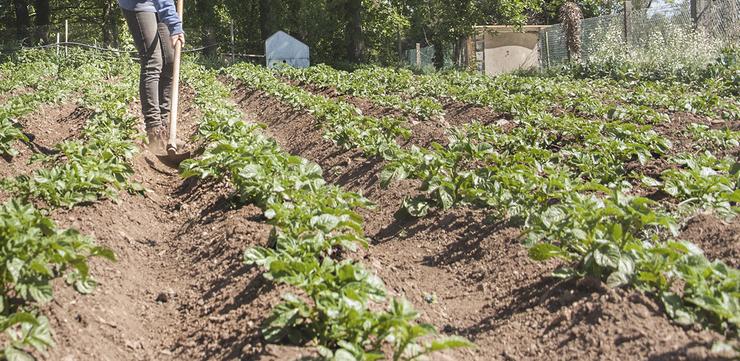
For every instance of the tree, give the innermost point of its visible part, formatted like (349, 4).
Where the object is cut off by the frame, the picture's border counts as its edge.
(570, 17)
(355, 39)
(110, 17)
(267, 21)
(22, 21)
(205, 9)
(42, 21)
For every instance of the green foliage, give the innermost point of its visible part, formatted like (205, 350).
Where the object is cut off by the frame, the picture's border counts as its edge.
(99, 165)
(342, 122)
(615, 240)
(364, 83)
(34, 252)
(316, 223)
(703, 181)
(713, 139)
(571, 141)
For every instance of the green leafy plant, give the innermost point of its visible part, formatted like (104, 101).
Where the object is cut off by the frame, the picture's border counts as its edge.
(316, 223)
(34, 252)
(97, 166)
(365, 83)
(342, 122)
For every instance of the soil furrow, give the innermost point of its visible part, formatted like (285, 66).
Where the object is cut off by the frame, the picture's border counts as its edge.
(46, 127)
(423, 132)
(468, 274)
(179, 290)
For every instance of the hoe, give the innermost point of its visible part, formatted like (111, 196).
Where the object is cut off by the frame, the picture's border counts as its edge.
(173, 158)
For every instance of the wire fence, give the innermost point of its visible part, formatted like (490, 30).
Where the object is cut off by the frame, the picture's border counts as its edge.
(718, 20)
(60, 37)
(424, 58)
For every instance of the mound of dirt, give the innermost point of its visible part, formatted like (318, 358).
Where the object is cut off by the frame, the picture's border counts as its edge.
(466, 271)
(719, 239)
(179, 290)
(45, 128)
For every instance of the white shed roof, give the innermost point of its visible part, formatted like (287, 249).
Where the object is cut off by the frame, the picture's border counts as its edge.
(281, 46)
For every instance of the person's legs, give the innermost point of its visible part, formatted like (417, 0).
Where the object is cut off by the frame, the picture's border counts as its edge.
(143, 27)
(165, 78)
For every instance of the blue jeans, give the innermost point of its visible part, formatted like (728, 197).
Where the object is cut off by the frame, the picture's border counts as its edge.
(152, 39)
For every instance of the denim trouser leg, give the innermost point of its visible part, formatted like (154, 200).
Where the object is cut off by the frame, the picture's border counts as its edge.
(165, 78)
(156, 65)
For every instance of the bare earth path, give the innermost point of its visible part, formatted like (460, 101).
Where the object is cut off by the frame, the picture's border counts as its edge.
(179, 290)
(466, 271)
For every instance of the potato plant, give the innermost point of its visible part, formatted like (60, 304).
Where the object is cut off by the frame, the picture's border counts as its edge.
(562, 172)
(315, 224)
(98, 165)
(34, 253)
(359, 85)
(342, 122)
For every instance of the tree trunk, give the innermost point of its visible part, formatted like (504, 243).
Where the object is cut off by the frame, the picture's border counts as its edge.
(457, 52)
(439, 54)
(43, 21)
(294, 19)
(23, 21)
(266, 19)
(110, 23)
(356, 41)
(205, 10)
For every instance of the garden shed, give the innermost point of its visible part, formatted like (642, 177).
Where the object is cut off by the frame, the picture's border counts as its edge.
(281, 48)
(498, 49)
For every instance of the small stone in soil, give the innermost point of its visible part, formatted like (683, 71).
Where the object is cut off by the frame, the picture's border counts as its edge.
(164, 297)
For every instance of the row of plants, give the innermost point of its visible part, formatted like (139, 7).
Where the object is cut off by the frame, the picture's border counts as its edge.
(98, 165)
(590, 150)
(51, 84)
(28, 69)
(341, 121)
(36, 251)
(644, 101)
(340, 307)
(573, 202)
(446, 171)
(368, 83)
(551, 165)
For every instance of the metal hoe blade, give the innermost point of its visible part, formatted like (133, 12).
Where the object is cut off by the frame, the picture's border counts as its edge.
(173, 158)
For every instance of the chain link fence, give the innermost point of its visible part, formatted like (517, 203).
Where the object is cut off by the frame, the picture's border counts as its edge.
(717, 20)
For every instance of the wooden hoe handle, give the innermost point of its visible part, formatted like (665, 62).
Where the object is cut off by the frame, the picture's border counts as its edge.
(172, 142)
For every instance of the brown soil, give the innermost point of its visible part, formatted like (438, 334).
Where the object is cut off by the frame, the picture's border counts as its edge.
(45, 128)
(423, 132)
(467, 273)
(179, 289)
(677, 132)
(14, 93)
(719, 239)
(457, 113)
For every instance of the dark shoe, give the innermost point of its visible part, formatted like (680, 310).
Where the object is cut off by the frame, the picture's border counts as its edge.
(157, 137)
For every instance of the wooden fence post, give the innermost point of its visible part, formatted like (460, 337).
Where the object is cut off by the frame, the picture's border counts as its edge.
(547, 47)
(66, 37)
(233, 45)
(418, 55)
(627, 25)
